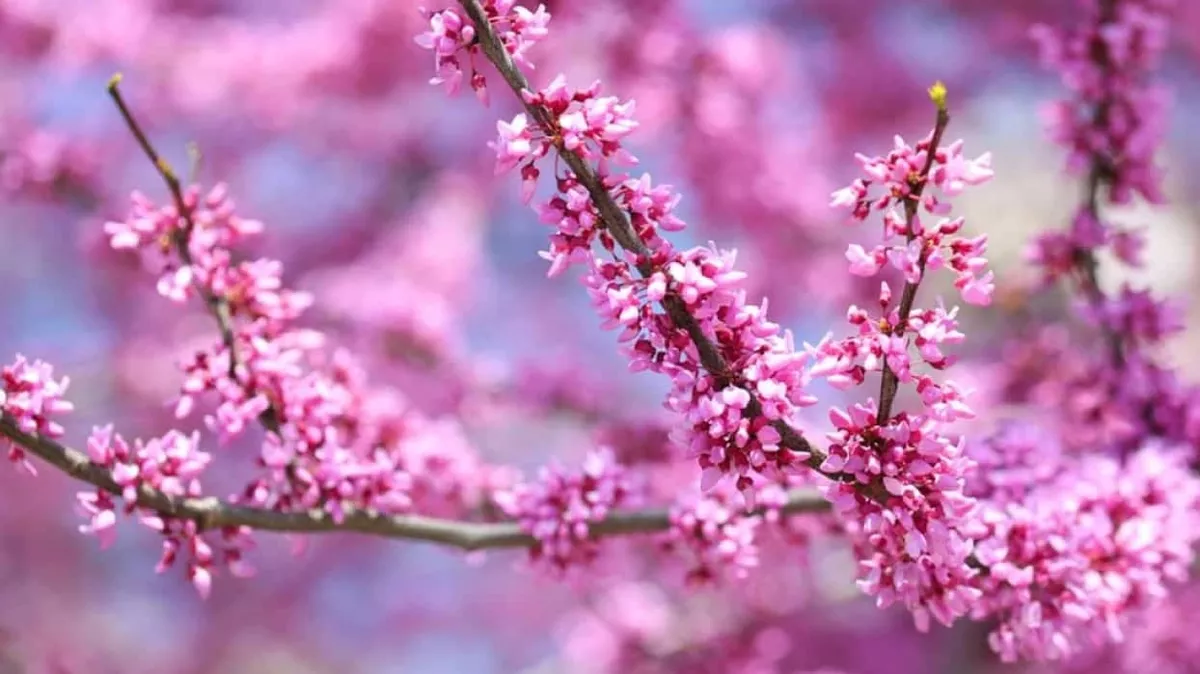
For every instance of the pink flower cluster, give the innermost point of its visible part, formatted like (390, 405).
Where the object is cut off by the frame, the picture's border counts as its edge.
(1069, 565)
(730, 415)
(911, 542)
(329, 446)
(450, 35)
(1114, 114)
(30, 398)
(909, 244)
(912, 547)
(193, 254)
(1092, 406)
(732, 422)
(1112, 124)
(899, 478)
(560, 506)
(715, 532)
(333, 442)
(172, 465)
(1138, 317)
(1057, 254)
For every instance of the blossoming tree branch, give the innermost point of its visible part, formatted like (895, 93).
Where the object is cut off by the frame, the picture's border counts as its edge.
(1056, 534)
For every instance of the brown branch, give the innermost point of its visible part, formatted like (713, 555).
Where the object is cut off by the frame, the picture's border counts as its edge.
(1099, 175)
(214, 513)
(889, 383)
(217, 305)
(616, 223)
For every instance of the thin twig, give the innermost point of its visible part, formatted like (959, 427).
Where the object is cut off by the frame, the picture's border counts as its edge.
(889, 383)
(217, 305)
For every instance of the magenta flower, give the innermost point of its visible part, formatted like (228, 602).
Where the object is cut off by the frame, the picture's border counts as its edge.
(559, 506)
(31, 397)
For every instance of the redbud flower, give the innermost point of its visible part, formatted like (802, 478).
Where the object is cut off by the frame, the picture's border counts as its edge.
(173, 465)
(1070, 564)
(715, 535)
(30, 397)
(559, 506)
(450, 35)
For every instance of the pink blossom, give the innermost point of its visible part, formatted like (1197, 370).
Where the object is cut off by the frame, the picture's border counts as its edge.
(558, 508)
(1111, 72)
(172, 465)
(715, 535)
(705, 280)
(450, 36)
(1070, 564)
(30, 398)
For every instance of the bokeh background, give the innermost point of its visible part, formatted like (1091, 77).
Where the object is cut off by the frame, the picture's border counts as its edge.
(378, 194)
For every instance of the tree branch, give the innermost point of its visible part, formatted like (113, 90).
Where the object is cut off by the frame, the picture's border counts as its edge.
(1099, 176)
(217, 305)
(214, 513)
(889, 383)
(622, 230)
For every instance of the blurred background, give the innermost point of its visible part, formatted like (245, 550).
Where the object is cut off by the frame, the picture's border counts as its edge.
(379, 196)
